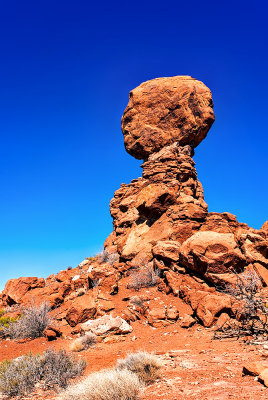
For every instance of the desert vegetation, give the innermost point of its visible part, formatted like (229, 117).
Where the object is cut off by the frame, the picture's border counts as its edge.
(251, 319)
(84, 342)
(147, 366)
(125, 382)
(31, 324)
(146, 276)
(5, 321)
(107, 257)
(106, 385)
(51, 370)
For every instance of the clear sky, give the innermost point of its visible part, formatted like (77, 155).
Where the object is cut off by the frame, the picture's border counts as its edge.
(66, 69)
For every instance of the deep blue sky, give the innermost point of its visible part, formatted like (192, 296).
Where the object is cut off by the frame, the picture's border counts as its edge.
(66, 69)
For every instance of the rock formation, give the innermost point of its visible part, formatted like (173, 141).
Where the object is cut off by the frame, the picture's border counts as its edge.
(163, 215)
(163, 122)
(161, 222)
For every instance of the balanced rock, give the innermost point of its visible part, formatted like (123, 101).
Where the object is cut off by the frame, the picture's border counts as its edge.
(161, 224)
(166, 110)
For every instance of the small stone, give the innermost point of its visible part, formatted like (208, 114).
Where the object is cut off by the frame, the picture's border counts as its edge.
(187, 321)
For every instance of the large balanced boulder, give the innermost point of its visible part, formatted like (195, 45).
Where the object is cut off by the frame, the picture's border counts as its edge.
(166, 110)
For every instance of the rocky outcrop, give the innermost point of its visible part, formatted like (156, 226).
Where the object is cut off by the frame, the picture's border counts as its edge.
(162, 214)
(16, 289)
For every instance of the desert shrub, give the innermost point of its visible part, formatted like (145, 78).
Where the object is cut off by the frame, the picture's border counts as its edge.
(52, 370)
(146, 366)
(106, 385)
(106, 257)
(94, 283)
(5, 322)
(19, 376)
(31, 324)
(84, 342)
(252, 310)
(144, 277)
(59, 367)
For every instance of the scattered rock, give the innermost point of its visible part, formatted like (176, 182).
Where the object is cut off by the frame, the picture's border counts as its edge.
(167, 250)
(187, 321)
(223, 318)
(263, 377)
(107, 324)
(254, 368)
(81, 310)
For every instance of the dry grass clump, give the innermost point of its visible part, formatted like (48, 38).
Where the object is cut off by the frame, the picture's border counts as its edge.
(106, 385)
(125, 382)
(106, 257)
(84, 342)
(144, 277)
(31, 324)
(146, 366)
(53, 369)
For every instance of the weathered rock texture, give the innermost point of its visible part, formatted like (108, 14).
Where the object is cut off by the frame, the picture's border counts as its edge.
(166, 110)
(165, 204)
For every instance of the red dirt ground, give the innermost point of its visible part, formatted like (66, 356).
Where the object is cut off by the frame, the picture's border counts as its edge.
(195, 365)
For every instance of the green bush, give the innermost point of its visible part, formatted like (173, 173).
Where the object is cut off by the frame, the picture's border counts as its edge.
(5, 322)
